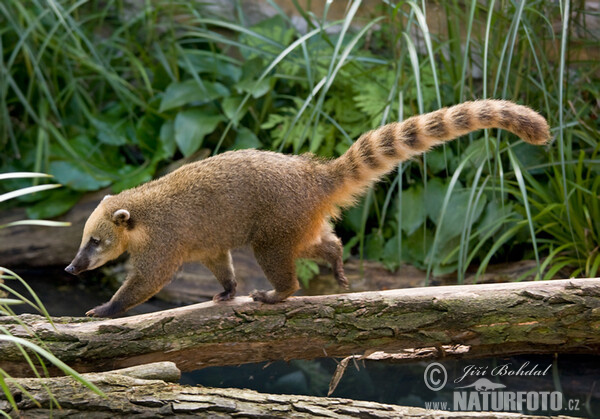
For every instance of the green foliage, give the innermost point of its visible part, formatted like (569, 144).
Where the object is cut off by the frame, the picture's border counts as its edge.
(306, 270)
(108, 93)
(35, 345)
(575, 245)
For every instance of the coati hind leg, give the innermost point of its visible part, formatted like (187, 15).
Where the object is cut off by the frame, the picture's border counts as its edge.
(278, 265)
(330, 250)
(221, 266)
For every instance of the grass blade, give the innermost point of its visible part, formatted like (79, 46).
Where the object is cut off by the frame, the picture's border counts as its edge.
(25, 191)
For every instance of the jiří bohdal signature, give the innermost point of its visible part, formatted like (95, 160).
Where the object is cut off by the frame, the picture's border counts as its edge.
(504, 370)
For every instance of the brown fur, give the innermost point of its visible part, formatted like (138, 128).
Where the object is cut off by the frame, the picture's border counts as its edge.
(278, 204)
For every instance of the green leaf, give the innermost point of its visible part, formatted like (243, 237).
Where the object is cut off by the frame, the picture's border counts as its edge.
(148, 139)
(58, 203)
(189, 91)
(434, 198)
(371, 95)
(374, 245)
(40, 223)
(414, 247)
(167, 139)
(413, 213)
(391, 258)
(438, 160)
(306, 270)
(230, 106)
(478, 150)
(439, 270)
(256, 89)
(352, 219)
(54, 360)
(26, 191)
(133, 177)
(191, 126)
(530, 155)
(73, 176)
(495, 217)
(22, 175)
(349, 245)
(274, 28)
(455, 214)
(10, 301)
(209, 62)
(245, 138)
(250, 81)
(102, 156)
(111, 130)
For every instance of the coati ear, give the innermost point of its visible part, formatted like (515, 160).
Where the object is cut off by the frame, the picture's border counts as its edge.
(121, 217)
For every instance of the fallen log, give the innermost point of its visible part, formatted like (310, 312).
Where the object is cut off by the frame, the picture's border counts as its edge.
(490, 319)
(132, 393)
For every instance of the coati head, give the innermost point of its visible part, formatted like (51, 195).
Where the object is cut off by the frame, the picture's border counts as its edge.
(105, 237)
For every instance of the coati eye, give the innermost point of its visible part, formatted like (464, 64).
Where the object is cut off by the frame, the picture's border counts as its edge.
(94, 240)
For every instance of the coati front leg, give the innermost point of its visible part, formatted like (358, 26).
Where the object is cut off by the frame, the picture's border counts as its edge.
(221, 266)
(279, 267)
(330, 250)
(149, 272)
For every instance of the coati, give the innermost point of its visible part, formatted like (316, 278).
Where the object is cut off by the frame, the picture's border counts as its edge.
(278, 204)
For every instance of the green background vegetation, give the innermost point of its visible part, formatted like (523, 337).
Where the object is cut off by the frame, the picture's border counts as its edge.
(108, 93)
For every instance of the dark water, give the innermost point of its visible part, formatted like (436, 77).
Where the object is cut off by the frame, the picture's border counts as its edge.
(575, 378)
(66, 295)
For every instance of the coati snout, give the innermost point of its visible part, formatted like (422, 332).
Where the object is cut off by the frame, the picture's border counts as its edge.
(280, 205)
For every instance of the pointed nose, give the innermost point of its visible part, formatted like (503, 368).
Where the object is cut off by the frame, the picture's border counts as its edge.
(71, 269)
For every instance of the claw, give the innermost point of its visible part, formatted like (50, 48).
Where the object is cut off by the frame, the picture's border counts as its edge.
(258, 295)
(109, 309)
(224, 296)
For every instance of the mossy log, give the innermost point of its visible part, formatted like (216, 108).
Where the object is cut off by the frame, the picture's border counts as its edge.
(133, 393)
(490, 319)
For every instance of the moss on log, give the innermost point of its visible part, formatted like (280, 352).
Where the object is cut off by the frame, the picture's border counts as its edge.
(491, 319)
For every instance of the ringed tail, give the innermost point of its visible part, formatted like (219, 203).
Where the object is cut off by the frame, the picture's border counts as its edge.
(379, 151)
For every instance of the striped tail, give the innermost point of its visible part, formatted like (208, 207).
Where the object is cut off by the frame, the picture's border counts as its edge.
(378, 152)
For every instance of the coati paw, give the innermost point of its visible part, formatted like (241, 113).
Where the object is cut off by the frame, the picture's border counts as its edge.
(259, 296)
(268, 297)
(224, 296)
(341, 279)
(109, 309)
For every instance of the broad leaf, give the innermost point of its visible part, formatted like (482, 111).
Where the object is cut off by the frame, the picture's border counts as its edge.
(133, 177)
(167, 139)
(191, 126)
(71, 175)
(413, 213)
(230, 107)
(111, 130)
(374, 245)
(209, 62)
(246, 139)
(189, 91)
(58, 203)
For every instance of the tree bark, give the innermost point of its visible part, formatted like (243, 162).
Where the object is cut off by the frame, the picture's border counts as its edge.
(133, 393)
(490, 319)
